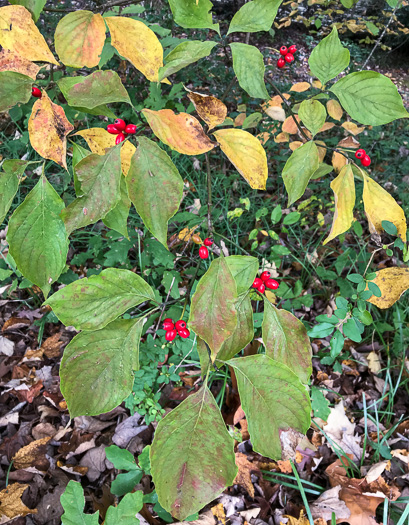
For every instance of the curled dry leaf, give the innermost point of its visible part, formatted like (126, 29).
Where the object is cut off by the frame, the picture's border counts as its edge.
(392, 282)
(11, 504)
(243, 477)
(12, 61)
(182, 132)
(210, 109)
(48, 128)
(352, 127)
(31, 454)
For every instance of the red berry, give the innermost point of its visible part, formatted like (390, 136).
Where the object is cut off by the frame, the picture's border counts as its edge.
(208, 241)
(289, 58)
(180, 324)
(265, 275)
(36, 92)
(360, 154)
(283, 51)
(120, 124)
(203, 252)
(272, 284)
(292, 49)
(119, 138)
(168, 320)
(112, 129)
(184, 333)
(366, 161)
(170, 336)
(131, 129)
(261, 288)
(168, 325)
(257, 282)
(280, 62)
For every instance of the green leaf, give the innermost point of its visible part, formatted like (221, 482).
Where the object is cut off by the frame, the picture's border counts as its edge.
(372, 28)
(312, 114)
(292, 218)
(298, 170)
(244, 270)
(248, 65)
(323, 169)
(329, 58)
(351, 331)
(37, 236)
(97, 367)
(101, 87)
(319, 404)
(117, 218)
(392, 3)
(93, 302)
(370, 98)
(286, 341)
(185, 54)
(14, 88)
(126, 482)
(355, 278)
(184, 469)
(255, 16)
(99, 177)
(78, 153)
(273, 399)
(337, 344)
(121, 458)
(213, 314)
(34, 6)
(191, 14)
(154, 187)
(10, 177)
(389, 227)
(320, 330)
(98, 111)
(276, 214)
(125, 512)
(73, 502)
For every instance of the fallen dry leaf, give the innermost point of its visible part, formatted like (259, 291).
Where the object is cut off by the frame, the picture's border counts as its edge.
(329, 502)
(11, 504)
(32, 454)
(243, 477)
(392, 282)
(340, 429)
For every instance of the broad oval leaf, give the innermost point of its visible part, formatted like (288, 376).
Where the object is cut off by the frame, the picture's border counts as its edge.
(185, 54)
(213, 314)
(99, 177)
(273, 399)
(248, 65)
(286, 341)
(192, 14)
(244, 270)
(246, 153)
(329, 58)
(184, 471)
(10, 178)
(19, 33)
(11, 61)
(298, 170)
(73, 503)
(312, 114)
(37, 226)
(117, 218)
(380, 206)
(93, 302)
(334, 109)
(79, 39)
(344, 192)
(370, 98)
(136, 42)
(181, 132)
(14, 88)
(254, 16)
(392, 282)
(101, 87)
(97, 367)
(34, 6)
(210, 109)
(155, 187)
(48, 128)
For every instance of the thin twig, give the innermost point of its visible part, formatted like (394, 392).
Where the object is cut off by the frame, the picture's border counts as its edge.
(227, 91)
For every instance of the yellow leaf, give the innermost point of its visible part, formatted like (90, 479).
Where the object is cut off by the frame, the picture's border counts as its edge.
(48, 128)
(295, 145)
(79, 39)
(11, 504)
(300, 87)
(392, 282)
(289, 125)
(352, 128)
(326, 126)
(11, 61)
(282, 137)
(317, 84)
(263, 137)
(210, 109)
(246, 153)
(186, 235)
(321, 150)
(19, 33)
(380, 206)
(238, 121)
(138, 44)
(276, 113)
(338, 161)
(181, 132)
(334, 109)
(98, 140)
(344, 191)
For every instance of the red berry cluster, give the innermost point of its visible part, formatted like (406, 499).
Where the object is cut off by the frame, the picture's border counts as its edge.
(203, 251)
(265, 281)
(287, 55)
(36, 92)
(363, 157)
(121, 129)
(174, 329)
